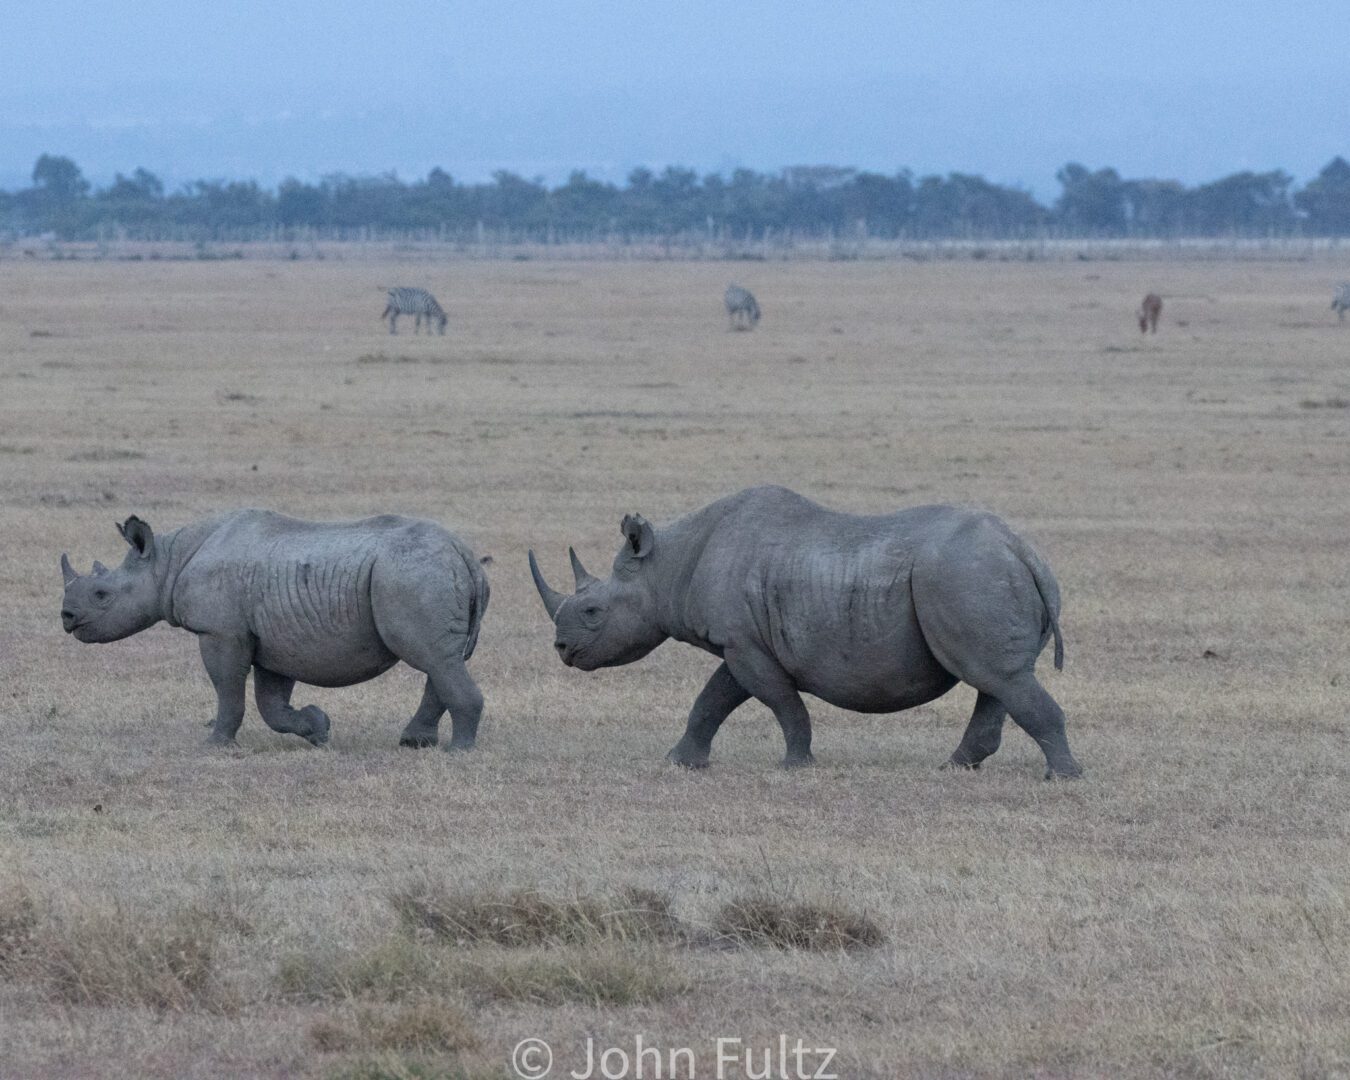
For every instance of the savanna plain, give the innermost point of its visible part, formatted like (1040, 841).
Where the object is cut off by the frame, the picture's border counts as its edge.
(363, 911)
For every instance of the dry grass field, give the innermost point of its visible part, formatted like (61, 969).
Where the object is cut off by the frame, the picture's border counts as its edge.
(361, 911)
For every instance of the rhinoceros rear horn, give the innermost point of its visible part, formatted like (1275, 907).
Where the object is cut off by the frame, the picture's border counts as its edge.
(552, 599)
(67, 571)
(579, 572)
(99, 568)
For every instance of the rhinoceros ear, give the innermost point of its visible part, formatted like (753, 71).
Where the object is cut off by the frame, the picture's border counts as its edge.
(139, 535)
(638, 533)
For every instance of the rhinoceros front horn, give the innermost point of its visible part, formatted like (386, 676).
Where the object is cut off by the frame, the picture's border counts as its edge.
(579, 573)
(552, 599)
(67, 571)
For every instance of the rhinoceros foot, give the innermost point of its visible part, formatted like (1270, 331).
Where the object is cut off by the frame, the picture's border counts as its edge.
(799, 761)
(957, 763)
(319, 724)
(688, 757)
(221, 741)
(1069, 770)
(418, 740)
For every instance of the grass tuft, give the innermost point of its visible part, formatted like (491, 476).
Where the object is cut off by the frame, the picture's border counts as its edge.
(394, 1066)
(526, 917)
(597, 975)
(434, 1026)
(123, 958)
(18, 925)
(401, 358)
(764, 922)
(395, 969)
(1326, 403)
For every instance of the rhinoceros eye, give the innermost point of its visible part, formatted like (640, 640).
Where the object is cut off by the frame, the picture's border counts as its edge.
(591, 611)
(100, 594)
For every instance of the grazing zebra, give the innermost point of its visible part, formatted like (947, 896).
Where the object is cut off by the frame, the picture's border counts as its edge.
(741, 307)
(1340, 303)
(1148, 313)
(416, 302)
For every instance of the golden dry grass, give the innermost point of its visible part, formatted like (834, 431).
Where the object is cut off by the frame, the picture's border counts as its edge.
(1183, 910)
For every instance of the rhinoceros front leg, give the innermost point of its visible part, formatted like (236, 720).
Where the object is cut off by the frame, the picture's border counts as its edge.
(983, 734)
(720, 697)
(227, 660)
(766, 680)
(272, 692)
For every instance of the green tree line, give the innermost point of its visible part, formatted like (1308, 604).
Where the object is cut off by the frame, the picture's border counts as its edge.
(807, 201)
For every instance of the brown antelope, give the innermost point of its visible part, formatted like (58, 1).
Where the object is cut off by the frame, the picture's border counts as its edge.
(1148, 313)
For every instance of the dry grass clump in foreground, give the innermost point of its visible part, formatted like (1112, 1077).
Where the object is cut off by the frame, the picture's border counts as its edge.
(402, 969)
(529, 917)
(121, 957)
(18, 923)
(603, 974)
(428, 1026)
(395, 1066)
(766, 922)
(394, 969)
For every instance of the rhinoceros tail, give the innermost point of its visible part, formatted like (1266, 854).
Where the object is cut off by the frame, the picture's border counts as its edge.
(478, 602)
(1059, 644)
(1049, 590)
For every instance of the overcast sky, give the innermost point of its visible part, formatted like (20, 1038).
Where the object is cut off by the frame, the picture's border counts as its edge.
(1012, 90)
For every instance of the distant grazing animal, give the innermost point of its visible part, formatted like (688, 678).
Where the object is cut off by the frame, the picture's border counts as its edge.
(416, 302)
(1340, 303)
(1148, 313)
(330, 604)
(741, 307)
(877, 614)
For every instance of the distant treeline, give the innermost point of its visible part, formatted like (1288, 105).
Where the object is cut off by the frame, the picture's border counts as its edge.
(807, 201)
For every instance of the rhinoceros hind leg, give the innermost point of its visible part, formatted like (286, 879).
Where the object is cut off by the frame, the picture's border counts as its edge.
(455, 686)
(272, 692)
(423, 729)
(449, 681)
(719, 698)
(983, 734)
(1039, 715)
(413, 623)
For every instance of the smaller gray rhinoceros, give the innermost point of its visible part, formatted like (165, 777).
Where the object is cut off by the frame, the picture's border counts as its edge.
(875, 614)
(324, 603)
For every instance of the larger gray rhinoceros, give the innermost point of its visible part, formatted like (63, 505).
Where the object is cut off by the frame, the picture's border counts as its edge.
(330, 604)
(875, 614)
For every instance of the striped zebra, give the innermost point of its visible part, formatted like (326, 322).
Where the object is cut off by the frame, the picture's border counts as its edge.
(1340, 303)
(741, 307)
(416, 302)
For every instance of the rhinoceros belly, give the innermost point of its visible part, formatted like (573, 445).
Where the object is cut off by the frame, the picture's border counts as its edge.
(313, 621)
(843, 626)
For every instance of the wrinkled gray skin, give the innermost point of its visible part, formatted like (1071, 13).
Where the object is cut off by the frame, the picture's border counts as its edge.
(330, 604)
(874, 614)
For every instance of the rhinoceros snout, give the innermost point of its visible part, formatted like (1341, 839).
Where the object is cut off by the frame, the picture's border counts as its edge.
(68, 620)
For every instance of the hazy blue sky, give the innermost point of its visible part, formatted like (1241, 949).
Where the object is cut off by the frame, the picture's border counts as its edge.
(270, 88)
